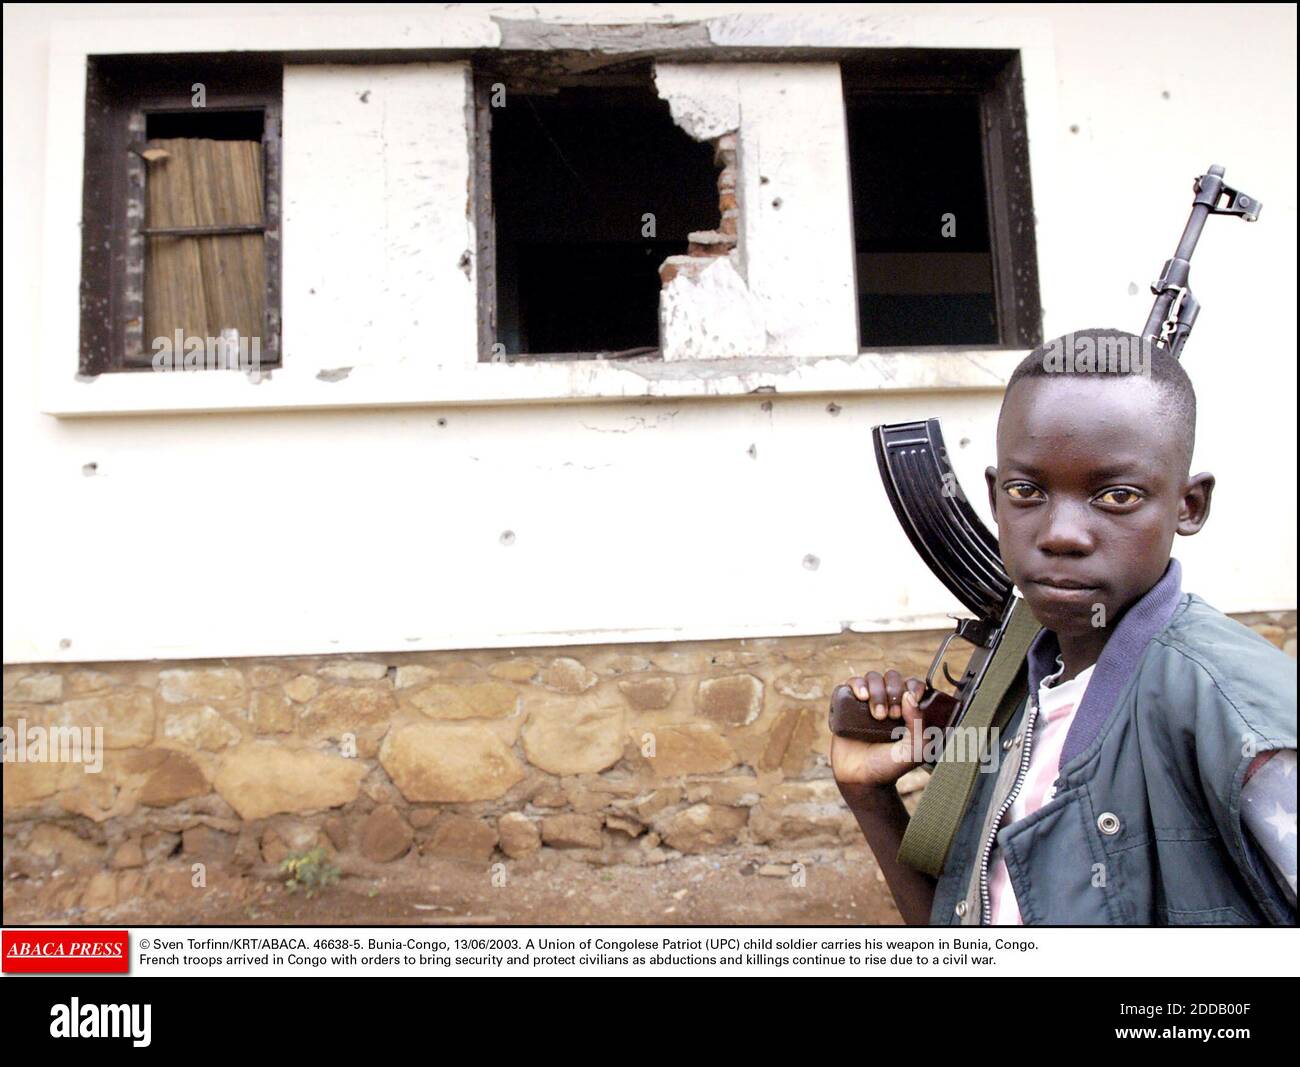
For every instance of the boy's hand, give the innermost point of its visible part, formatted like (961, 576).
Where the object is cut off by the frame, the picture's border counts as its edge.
(890, 698)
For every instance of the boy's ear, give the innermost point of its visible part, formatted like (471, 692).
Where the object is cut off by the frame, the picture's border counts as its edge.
(1194, 508)
(991, 478)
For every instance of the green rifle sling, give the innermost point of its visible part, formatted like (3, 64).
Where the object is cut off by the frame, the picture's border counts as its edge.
(943, 804)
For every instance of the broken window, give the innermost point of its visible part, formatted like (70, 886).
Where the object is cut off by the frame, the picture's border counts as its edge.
(942, 210)
(584, 187)
(180, 262)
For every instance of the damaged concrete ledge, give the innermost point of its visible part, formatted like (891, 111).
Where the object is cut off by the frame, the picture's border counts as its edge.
(684, 32)
(549, 382)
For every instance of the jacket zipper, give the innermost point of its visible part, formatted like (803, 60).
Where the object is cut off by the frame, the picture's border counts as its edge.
(1028, 735)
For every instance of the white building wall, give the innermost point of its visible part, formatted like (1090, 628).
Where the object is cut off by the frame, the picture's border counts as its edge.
(376, 162)
(316, 516)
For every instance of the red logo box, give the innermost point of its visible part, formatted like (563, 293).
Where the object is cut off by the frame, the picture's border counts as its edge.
(65, 951)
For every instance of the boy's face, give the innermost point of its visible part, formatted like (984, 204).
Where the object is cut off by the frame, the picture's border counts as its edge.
(1089, 490)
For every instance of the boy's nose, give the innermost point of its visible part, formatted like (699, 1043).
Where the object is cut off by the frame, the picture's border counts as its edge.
(1065, 532)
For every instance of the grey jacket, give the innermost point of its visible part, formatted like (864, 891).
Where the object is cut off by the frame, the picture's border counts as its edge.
(1145, 825)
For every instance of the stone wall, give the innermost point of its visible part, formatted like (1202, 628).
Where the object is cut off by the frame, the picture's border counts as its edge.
(617, 754)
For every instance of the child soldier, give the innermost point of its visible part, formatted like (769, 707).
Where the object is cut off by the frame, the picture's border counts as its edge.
(1150, 776)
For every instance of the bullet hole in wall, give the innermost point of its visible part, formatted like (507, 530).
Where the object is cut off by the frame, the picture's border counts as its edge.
(442, 421)
(89, 469)
(766, 405)
(508, 537)
(833, 408)
(705, 244)
(811, 562)
(777, 203)
(753, 451)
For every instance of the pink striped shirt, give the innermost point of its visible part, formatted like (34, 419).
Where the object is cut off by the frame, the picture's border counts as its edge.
(1056, 704)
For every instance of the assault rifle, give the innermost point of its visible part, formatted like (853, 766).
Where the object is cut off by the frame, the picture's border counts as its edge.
(948, 534)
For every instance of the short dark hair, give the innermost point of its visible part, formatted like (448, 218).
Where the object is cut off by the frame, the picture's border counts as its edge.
(1078, 352)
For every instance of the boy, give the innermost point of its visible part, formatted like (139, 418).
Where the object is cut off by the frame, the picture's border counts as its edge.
(1150, 777)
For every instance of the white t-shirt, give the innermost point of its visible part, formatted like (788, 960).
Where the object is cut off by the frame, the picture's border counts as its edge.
(1056, 707)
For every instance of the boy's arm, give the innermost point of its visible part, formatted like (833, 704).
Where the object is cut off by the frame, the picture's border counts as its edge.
(883, 820)
(1242, 693)
(866, 774)
(1268, 809)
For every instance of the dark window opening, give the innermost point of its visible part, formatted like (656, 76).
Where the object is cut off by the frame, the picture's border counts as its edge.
(207, 123)
(591, 190)
(181, 213)
(917, 171)
(940, 179)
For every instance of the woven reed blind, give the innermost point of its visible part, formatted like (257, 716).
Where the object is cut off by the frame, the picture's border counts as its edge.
(203, 285)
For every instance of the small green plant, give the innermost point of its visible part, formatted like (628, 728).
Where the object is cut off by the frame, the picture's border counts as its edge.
(309, 871)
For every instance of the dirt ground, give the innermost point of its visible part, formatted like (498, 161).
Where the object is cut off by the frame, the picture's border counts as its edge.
(752, 887)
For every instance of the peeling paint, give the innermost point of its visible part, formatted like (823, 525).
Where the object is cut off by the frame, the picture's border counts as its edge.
(536, 35)
(707, 312)
(704, 100)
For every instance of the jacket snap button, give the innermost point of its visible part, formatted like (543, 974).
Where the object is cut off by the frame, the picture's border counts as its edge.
(961, 908)
(1108, 823)
(1006, 745)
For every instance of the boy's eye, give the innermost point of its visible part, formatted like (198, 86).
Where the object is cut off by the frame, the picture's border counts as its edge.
(1119, 496)
(1021, 491)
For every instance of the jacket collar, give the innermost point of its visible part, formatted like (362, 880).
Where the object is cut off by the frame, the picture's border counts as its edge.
(1118, 661)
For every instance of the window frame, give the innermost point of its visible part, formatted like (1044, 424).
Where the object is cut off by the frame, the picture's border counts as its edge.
(997, 79)
(113, 259)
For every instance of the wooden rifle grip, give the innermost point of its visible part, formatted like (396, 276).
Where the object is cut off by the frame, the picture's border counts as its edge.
(851, 718)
